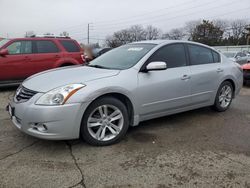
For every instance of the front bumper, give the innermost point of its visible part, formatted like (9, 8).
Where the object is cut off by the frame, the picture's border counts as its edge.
(48, 122)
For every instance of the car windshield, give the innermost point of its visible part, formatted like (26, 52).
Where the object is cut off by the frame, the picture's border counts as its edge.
(123, 57)
(229, 54)
(3, 42)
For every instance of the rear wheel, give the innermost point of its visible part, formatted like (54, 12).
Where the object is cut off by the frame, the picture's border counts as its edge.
(224, 97)
(105, 122)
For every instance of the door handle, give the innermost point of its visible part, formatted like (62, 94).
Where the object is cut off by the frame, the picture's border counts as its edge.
(219, 70)
(185, 77)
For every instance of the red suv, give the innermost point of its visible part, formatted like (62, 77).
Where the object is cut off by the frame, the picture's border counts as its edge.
(23, 57)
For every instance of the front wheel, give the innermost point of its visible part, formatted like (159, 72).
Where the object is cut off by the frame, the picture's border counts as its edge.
(105, 122)
(224, 97)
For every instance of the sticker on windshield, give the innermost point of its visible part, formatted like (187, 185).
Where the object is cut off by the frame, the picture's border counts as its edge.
(135, 49)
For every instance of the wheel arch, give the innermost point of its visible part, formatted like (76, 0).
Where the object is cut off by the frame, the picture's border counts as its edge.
(124, 99)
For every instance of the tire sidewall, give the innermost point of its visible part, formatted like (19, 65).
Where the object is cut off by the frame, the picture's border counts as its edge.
(99, 102)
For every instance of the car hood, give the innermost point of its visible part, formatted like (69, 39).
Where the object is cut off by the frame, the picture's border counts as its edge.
(48, 80)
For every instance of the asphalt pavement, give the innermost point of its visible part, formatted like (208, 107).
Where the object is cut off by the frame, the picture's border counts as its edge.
(200, 148)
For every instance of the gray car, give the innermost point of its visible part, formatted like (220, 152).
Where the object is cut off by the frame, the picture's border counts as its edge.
(123, 87)
(238, 57)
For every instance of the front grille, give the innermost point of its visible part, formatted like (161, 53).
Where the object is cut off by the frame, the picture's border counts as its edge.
(23, 94)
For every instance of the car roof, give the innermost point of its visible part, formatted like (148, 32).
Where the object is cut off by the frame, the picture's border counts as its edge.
(162, 42)
(42, 38)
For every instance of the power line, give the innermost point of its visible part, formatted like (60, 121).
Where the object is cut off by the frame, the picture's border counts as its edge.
(151, 12)
(157, 19)
(172, 18)
(133, 17)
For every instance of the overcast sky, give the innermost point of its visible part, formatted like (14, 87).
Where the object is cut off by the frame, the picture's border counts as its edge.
(107, 16)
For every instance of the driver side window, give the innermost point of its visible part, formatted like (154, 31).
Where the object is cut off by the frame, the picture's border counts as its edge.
(20, 47)
(173, 55)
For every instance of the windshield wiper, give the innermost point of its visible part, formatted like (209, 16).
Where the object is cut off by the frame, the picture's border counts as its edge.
(98, 66)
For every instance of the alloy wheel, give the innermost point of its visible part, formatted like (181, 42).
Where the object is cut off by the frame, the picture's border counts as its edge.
(105, 122)
(225, 96)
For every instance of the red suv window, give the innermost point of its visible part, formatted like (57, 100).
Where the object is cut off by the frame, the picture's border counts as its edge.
(70, 46)
(20, 47)
(45, 46)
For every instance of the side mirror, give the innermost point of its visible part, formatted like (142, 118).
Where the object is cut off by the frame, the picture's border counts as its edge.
(4, 52)
(156, 65)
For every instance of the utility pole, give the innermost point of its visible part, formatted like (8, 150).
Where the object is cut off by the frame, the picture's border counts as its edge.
(88, 33)
(89, 25)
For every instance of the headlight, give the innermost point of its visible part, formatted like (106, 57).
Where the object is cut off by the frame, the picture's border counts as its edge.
(59, 95)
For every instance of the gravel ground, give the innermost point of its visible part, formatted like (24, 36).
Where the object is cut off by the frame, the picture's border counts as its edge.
(200, 148)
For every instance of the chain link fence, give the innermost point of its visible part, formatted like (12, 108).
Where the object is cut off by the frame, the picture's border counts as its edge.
(241, 48)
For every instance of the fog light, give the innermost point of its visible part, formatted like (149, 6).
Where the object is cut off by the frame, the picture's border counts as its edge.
(39, 127)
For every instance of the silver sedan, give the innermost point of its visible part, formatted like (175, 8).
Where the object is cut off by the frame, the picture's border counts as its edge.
(125, 86)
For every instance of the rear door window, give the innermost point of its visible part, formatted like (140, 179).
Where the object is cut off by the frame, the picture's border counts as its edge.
(20, 47)
(44, 46)
(70, 46)
(200, 55)
(216, 57)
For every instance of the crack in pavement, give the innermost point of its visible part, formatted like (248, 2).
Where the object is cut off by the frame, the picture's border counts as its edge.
(230, 159)
(82, 183)
(19, 151)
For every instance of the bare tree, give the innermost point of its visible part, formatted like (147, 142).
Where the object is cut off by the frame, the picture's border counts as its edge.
(223, 25)
(174, 34)
(137, 32)
(119, 38)
(238, 28)
(152, 33)
(132, 34)
(190, 28)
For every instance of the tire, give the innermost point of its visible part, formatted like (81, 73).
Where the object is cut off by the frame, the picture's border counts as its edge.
(102, 116)
(223, 100)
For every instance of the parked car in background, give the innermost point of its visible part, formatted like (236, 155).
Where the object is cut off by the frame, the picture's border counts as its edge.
(23, 57)
(128, 85)
(92, 53)
(99, 51)
(246, 73)
(238, 57)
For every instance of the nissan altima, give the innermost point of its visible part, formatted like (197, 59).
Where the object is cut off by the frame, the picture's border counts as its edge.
(123, 87)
